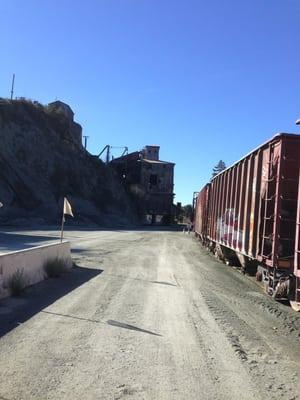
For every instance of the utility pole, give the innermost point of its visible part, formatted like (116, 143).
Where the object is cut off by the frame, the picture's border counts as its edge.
(108, 155)
(85, 141)
(12, 87)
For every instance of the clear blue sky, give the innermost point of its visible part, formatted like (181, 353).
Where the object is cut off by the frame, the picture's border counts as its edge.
(205, 80)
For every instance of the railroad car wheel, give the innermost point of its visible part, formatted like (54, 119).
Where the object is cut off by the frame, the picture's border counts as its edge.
(281, 290)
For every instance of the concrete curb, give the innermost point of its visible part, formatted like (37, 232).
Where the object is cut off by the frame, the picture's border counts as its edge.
(30, 262)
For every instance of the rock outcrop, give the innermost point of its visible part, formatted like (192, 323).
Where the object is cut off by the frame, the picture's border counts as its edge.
(42, 160)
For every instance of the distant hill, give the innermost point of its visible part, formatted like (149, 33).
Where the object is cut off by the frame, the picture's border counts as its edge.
(42, 160)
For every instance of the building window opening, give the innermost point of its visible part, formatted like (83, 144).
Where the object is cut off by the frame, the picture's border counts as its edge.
(153, 179)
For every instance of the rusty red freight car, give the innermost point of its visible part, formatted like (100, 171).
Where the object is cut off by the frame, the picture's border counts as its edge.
(201, 203)
(296, 301)
(249, 212)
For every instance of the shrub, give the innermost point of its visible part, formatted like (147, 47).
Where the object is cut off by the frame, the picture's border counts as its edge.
(55, 267)
(17, 282)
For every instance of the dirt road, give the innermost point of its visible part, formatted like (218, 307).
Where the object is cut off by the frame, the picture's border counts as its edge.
(147, 315)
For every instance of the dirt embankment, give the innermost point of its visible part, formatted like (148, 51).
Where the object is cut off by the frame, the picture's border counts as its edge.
(42, 160)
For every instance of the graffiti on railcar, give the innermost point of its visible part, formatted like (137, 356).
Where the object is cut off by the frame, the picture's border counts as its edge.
(227, 229)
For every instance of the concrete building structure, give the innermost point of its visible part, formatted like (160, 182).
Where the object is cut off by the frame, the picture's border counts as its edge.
(149, 181)
(64, 109)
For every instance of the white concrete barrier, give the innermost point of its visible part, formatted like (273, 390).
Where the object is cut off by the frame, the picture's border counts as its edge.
(31, 262)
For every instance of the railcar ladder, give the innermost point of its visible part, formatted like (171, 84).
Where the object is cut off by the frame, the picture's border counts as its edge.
(271, 218)
(297, 249)
(277, 212)
(268, 217)
(274, 245)
(286, 219)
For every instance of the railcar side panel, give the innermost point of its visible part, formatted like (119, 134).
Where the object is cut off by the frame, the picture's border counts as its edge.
(297, 253)
(201, 214)
(213, 206)
(251, 209)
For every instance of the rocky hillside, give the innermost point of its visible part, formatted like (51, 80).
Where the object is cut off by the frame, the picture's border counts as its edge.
(42, 160)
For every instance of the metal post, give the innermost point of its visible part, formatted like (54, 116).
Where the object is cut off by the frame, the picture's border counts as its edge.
(85, 141)
(108, 154)
(62, 228)
(12, 87)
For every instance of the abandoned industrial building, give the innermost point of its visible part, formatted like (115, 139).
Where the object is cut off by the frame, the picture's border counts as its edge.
(72, 127)
(149, 181)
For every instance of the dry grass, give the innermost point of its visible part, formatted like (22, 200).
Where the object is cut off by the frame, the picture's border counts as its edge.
(55, 267)
(17, 282)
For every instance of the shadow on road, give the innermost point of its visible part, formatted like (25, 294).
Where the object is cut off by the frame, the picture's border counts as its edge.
(164, 283)
(130, 327)
(72, 317)
(111, 322)
(15, 311)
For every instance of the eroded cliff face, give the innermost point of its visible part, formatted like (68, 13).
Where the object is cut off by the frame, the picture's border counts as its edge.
(41, 161)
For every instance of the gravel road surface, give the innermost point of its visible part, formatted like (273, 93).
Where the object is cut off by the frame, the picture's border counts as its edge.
(147, 315)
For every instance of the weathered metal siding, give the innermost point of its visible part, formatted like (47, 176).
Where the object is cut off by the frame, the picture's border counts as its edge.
(252, 207)
(279, 203)
(201, 212)
(297, 250)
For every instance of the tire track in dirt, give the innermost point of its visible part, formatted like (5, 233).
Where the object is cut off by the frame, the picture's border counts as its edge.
(262, 333)
(261, 361)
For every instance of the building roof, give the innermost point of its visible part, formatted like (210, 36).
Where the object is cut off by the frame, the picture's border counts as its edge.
(156, 161)
(127, 157)
(138, 156)
(60, 104)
